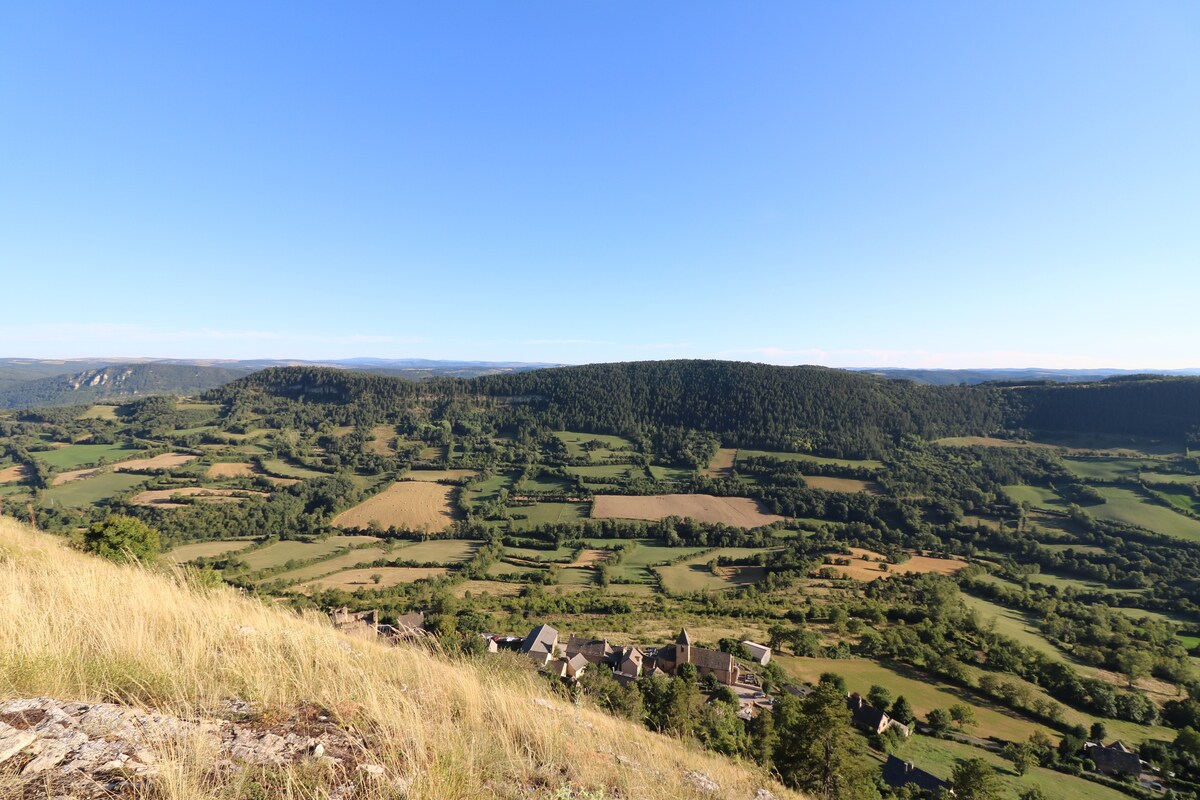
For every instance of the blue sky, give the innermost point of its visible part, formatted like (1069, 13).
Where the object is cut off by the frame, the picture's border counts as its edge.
(853, 184)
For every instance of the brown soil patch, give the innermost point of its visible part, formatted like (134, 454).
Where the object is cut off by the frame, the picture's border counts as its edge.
(848, 485)
(381, 440)
(17, 472)
(722, 463)
(740, 511)
(165, 461)
(74, 475)
(861, 570)
(227, 469)
(162, 498)
(589, 558)
(413, 505)
(494, 588)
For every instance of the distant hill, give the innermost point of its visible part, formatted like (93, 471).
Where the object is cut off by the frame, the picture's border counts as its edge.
(116, 382)
(946, 377)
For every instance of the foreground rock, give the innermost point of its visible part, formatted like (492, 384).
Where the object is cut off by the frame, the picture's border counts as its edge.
(91, 750)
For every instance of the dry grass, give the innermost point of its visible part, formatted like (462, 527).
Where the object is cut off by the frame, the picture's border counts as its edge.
(352, 579)
(722, 463)
(14, 473)
(164, 461)
(231, 469)
(870, 570)
(162, 498)
(74, 475)
(849, 485)
(412, 505)
(740, 511)
(454, 730)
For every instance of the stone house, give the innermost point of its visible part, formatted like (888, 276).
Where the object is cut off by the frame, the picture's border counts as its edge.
(541, 644)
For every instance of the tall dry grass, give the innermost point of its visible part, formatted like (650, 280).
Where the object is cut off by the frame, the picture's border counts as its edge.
(75, 627)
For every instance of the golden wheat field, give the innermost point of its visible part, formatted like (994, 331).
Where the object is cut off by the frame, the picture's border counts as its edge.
(412, 505)
(740, 511)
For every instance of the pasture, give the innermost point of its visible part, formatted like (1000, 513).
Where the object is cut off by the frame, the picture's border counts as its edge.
(409, 505)
(434, 475)
(73, 456)
(924, 691)
(440, 551)
(381, 440)
(1106, 469)
(1180, 497)
(846, 485)
(231, 469)
(608, 445)
(164, 461)
(167, 498)
(100, 412)
(1116, 444)
(282, 468)
(354, 558)
(1036, 496)
(871, 567)
(693, 574)
(722, 463)
(188, 552)
(1125, 505)
(606, 471)
(1169, 477)
(279, 553)
(940, 756)
(351, 580)
(738, 511)
(524, 517)
(88, 491)
(670, 474)
(781, 456)
(646, 552)
(984, 441)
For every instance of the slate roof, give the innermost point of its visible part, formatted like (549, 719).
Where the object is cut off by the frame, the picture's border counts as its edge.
(897, 773)
(759, 653)
(540, 641)
(865, 715)
(596, 651)
(1116, 757)
(684, 637)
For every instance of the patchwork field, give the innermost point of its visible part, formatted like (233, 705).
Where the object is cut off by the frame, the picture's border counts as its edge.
(410, 505)
(353, 579)
(525, 517)
(278, 554)
(1036, 496)
(17, 472)
(740, 511)
(848, 485)
(188, 552)
(164, 498)
(609, 444)
(279, 467)
(673, 474)
(871, 569)
(646, 552)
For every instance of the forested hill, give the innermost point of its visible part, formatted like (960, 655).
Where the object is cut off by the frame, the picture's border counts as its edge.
(822, 410)
(121, 381)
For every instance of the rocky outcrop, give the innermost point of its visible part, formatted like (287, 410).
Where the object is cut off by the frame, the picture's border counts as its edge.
(89, 750)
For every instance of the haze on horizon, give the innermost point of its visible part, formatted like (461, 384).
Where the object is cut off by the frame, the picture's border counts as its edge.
(932, 185)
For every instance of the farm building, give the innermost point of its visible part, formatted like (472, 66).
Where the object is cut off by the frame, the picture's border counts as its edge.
(1115, 759)
(570, 668)
(541, 644)
(760, 654)
(871, 719)
(898, 773)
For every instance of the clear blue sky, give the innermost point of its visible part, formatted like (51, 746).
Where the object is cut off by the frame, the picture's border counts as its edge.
(853, 184)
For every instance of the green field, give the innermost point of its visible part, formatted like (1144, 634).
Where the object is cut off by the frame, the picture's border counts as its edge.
(925, 692)
(673, 474)
(605, 471)
(574, 441)
(841, 462)
(693, 574)
(561, 554)
(546, 513)
(1125, 505)
(940, 756)
(1169, 477)
(187, 552)
(1106, 469)
(441, 551)
(488, 490)
(100, 412)
(279, 467)
(1125, 444)
(74, 456)
(1036, 496)
(90, 490)
(336, 564)
(1181, 498)
(542, 483)
(1014, 625)
(279, 553)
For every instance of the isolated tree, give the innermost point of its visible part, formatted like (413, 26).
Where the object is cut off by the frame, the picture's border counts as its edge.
(963, 715)
(122, 538)
(1099, 733)
(974, 779)
(1021, 754)
(879, 697)
(939, 720)
(902, 711)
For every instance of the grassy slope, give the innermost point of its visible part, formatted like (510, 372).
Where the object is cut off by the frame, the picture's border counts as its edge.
(458, 730)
